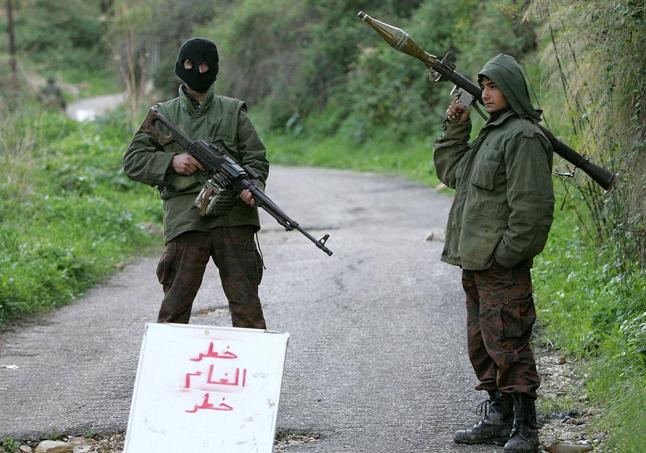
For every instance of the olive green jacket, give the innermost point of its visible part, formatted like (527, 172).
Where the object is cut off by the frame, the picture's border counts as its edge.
(504, 198)
(217, 118)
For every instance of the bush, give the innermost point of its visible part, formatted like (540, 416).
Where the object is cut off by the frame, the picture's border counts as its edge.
(84, 215)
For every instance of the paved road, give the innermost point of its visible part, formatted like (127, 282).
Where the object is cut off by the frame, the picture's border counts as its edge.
(376, 360)
(89, 109)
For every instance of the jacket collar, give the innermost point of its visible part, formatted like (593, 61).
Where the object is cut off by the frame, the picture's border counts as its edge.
(191, 106)
(497, 120)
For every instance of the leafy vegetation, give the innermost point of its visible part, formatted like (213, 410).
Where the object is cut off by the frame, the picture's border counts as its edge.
(591, 281)
(9, 445)
(594, 309)
(68, 213)
(327, 91)
(411, 159)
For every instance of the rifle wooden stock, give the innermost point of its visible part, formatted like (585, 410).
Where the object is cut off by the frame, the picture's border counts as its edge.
(401, 41)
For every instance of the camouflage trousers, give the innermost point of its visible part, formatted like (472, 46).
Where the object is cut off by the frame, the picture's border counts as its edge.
(500, 317)
(233, 250)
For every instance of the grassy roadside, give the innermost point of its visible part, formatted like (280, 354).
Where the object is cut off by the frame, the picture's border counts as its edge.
(69, 214)
(412, 159)
(594, 310)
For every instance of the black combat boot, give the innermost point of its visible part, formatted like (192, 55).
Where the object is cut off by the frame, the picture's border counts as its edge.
(524, 436)
(495, 426)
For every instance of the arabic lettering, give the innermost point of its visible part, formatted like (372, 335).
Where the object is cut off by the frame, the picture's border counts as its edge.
(219, 378)
(225, 380)
(215, 355)
(207, 405)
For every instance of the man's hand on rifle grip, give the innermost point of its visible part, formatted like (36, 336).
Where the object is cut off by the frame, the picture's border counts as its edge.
(185, 164)
(457, 112)
(246, 196)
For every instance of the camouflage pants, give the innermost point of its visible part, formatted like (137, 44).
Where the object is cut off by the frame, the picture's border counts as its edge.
(500, 317)
(233, 250)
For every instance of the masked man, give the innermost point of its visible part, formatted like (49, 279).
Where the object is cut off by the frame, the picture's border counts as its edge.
(498, 223)
(192, 236)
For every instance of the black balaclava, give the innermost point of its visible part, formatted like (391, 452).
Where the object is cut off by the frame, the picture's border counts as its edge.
(198, 50)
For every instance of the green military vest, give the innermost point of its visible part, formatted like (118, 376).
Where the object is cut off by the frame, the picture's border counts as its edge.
(217, 118)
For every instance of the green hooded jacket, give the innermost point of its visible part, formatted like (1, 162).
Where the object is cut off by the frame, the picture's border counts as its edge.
(218, 117)
(504, 198)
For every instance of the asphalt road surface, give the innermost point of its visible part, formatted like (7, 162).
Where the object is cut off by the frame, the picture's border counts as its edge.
(376, 360)
(91, 108)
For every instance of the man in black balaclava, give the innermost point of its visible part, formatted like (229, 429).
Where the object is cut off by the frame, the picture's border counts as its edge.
(197, 64)
(222, 229)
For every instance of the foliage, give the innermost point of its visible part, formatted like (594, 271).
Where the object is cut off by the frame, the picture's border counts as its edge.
(412, 159)
(592, 289)
(145, 36)
(389, 89)
(292, 56)
(593, 51)
(259, 47)
(594, 307)
(9, 445)
(362, 85)
(84, 215)
(173, 22)
(54, 34)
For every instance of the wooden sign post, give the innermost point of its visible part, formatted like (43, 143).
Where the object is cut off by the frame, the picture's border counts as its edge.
(202, 388)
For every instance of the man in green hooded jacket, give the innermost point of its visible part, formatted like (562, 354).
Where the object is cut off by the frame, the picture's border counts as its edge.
(499, 222)
(225, 234)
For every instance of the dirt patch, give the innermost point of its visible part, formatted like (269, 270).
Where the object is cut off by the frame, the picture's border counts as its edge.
(565, 412)
(286, 439)
(114, 443)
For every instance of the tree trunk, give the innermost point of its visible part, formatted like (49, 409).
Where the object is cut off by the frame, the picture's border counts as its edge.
(12, 50)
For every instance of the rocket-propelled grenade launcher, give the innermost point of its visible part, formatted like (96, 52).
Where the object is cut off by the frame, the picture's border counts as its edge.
(225, 173)
(444, 69)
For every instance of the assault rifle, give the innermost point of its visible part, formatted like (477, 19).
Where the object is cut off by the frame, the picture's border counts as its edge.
(468, 92)
(225, 173)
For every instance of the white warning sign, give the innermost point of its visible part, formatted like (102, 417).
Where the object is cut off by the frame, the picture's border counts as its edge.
(202, 388)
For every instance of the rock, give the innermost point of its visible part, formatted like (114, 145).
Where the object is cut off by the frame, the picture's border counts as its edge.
(564, 447)
(84, 448)
(26, 449)
(54, 446)
(82, 445)
(436, 236)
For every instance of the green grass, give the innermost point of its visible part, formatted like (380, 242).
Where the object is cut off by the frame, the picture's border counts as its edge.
(593, 306)
(95, 83)
(69, 214)
(556, 404)
(412, 159)
(9, 445)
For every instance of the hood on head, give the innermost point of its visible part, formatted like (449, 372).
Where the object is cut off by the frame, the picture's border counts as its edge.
(506, 73)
